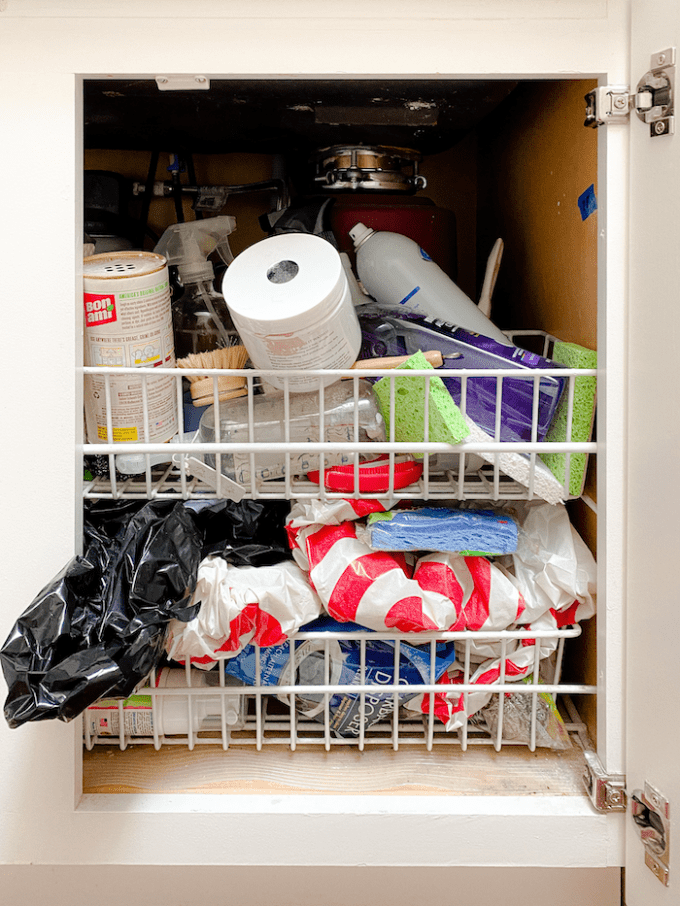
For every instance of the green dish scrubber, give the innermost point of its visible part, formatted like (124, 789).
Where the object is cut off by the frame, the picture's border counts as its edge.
(446, 422)
(585, 395)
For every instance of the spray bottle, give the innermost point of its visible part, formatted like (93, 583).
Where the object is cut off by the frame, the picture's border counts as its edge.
(200, 317)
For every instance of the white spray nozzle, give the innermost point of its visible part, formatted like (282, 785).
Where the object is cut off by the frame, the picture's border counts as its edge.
(359, 233)
(188, 245)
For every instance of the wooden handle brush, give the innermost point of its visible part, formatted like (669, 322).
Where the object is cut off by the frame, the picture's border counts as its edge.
(228, 387)
(433, 356)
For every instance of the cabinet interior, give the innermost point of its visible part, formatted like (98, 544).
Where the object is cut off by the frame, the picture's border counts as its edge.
(510, 160)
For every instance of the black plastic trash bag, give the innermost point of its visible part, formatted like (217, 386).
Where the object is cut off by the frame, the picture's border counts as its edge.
(247, 533)
(99, 627)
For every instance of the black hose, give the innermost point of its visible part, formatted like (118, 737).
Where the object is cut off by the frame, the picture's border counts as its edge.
(192, 179)
(146, 201)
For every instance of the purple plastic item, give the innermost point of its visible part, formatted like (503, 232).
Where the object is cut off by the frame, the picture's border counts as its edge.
(387, 333)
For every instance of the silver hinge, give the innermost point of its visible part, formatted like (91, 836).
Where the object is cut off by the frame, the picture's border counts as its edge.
(183, 82)
(651, 813)
(607, 791)
(653, 100)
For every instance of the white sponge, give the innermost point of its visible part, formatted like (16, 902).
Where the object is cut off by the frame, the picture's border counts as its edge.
(518, 467)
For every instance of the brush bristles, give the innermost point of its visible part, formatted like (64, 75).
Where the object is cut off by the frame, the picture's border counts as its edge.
(231, 357)
(203, 387)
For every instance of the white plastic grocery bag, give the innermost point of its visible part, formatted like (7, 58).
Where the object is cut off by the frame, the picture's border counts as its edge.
(239, 605)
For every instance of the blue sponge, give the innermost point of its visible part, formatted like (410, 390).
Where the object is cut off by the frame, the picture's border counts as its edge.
(479, 532)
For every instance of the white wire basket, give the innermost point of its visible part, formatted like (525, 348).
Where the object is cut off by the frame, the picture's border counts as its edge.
(392, 712)
(257, 715)
(490, 468)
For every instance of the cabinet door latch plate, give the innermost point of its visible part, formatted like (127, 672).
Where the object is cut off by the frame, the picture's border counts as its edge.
(651, 813)
(653, 100)
(607, 791)
(183, 82)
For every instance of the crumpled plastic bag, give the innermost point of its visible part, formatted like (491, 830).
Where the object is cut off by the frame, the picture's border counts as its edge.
(99, 627)
(552, 566)
(452, 708)
(549, 729)
(382, 591)
(315, 512)
(239, 605)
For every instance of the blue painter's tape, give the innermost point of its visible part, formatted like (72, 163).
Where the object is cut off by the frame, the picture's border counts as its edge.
(412, 293)
(587, 202)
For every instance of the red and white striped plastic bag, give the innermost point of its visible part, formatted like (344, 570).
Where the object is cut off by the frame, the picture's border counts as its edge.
(379, 589)
(483, 595)
(520, 656)
(239, 605)
(307, 516)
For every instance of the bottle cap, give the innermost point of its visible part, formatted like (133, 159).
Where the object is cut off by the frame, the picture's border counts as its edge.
(193, 271)
(360, 234)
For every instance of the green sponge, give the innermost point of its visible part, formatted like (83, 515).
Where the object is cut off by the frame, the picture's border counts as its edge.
(585, 390)
(447, 424)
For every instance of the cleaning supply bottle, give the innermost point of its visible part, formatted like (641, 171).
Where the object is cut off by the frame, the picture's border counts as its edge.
(399, 274)
(200, 317)
(347, 416)
(170, 715)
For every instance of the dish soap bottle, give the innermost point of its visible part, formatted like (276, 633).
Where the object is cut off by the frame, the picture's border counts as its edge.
(200, 317)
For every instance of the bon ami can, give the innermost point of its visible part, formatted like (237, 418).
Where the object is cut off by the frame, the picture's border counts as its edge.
(128, 323)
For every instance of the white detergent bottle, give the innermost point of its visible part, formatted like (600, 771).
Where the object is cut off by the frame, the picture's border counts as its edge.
(398, 273)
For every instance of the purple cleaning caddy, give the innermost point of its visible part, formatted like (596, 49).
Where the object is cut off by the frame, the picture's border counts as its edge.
(386, 333)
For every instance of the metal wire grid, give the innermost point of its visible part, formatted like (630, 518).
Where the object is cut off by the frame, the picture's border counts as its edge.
(272, 717)
(267, 721)
(176, 481)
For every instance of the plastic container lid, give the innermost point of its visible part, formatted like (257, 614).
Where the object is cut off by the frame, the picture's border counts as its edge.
(114, 265)
(374, 476)
(284, 283)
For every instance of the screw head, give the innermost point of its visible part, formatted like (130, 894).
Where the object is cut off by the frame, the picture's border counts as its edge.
(659, 128)
(200, 79)
(619, 102)
(661, 59)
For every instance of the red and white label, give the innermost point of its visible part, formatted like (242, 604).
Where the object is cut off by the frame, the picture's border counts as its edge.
(99, 309)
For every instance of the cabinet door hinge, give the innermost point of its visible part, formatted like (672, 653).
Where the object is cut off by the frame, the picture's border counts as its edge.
(653, 100)
(607, 791)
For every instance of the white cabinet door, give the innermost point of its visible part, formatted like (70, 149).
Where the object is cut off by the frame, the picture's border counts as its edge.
(653, 715)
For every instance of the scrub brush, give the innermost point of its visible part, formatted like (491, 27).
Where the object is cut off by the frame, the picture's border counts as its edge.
(202, 386)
